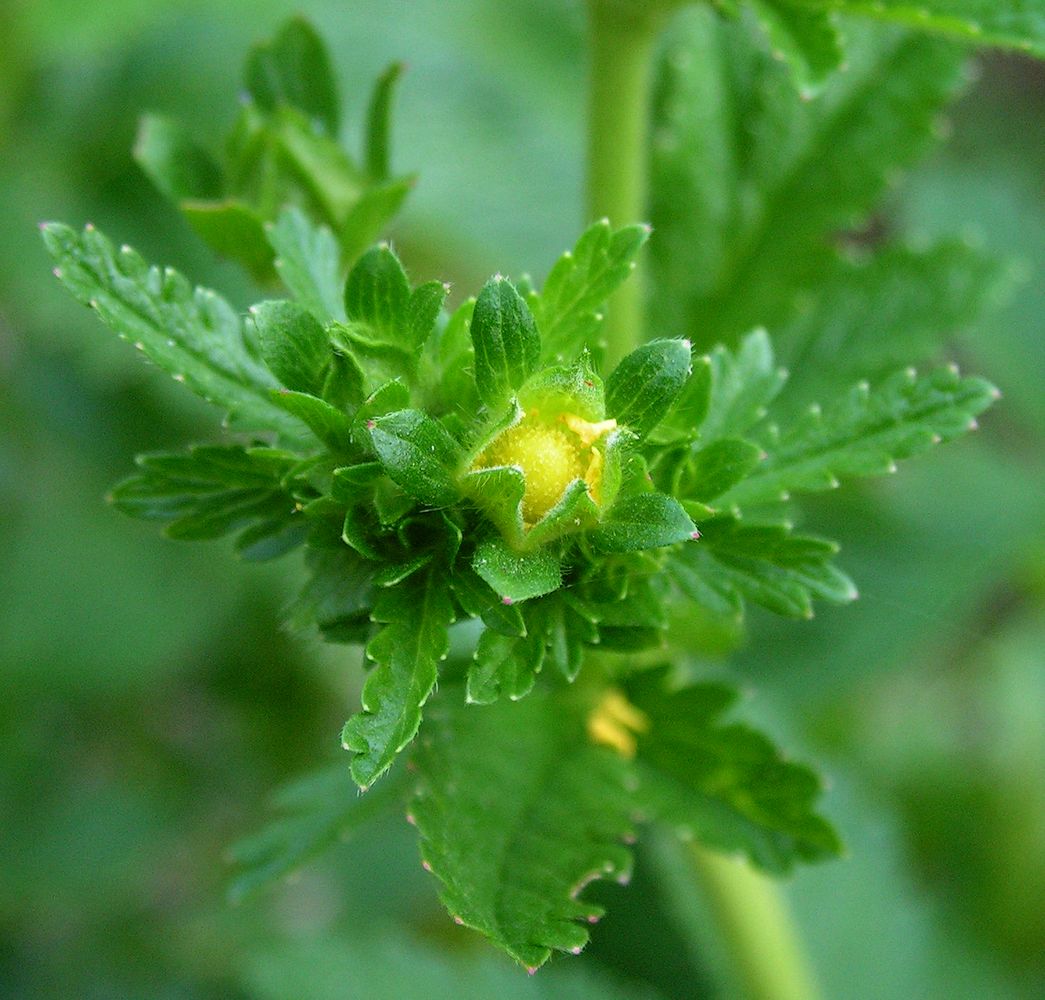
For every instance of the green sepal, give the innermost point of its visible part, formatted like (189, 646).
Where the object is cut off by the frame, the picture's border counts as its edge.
(516, 576)
(294, 69)
(377, 294)
(426, 303)
(507, 345)
(418, 454)
(683, 421)
(646, 383)
(643, 521)
(478, 600)
(575, 511)
(574, 388)
(498, 492)
(388, 398)
(293, 345)
(329, 424)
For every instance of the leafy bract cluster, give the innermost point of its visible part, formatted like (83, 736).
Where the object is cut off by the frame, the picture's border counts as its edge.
(474, 474)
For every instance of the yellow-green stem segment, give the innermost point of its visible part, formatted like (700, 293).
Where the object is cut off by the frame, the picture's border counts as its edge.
(622, 40)
(756, 928)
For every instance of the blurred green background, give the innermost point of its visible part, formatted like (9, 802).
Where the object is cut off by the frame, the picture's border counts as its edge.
(151, 699)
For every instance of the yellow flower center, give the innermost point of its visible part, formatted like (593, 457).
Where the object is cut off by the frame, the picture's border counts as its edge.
(551, 456)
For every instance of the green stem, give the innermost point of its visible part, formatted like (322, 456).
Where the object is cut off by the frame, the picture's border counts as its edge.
(622, 40)
(758, 932)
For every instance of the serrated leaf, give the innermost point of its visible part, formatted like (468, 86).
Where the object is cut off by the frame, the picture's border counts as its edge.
(210, 491)
(418, 454)
(644, 521)
(712, 470)
(514, 575)
(194, 335)
(416, 615)
(517, 811)
(764, 563)
(1016, 24)
(507, 345)
(504, 665)
(307, 261)
(337, 597)
(178, 167)
(865, 432)
(643, 387)
(723, 784)
(294, 69)
(871, 314)
(751, 184)
(479, 600)
(806, 37)
(376, 151)
(327, 423)
(315, 812)
(378, 294)
(293, 345)
(568, 309)
(743, 384)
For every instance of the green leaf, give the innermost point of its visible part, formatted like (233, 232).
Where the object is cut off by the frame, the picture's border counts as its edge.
(375, 155)
(712, 470)
(416, 615)
(293, 345)
(479, 600)
(646, 383)
(195, 335)
(806, 37)
(742, 386)
(337, 597)
(1016, 24)
(173, 162)
(378, 295)
(724, 785)
(507, 345)
(516, 810)
(294, 69)
(426, 303)
(764, 563)
(865, 432)
(234, 230)
(210, 491)
(370, 213)
(873, 314)
(418, 454)
(751, 184)
(643, 521)
(516, 576)
(316, 812)
(307, 262)
(504, 665)
(326, 422)
(569, 308)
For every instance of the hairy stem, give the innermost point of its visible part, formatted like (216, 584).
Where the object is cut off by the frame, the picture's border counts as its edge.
(622, 39)
(756, 927)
